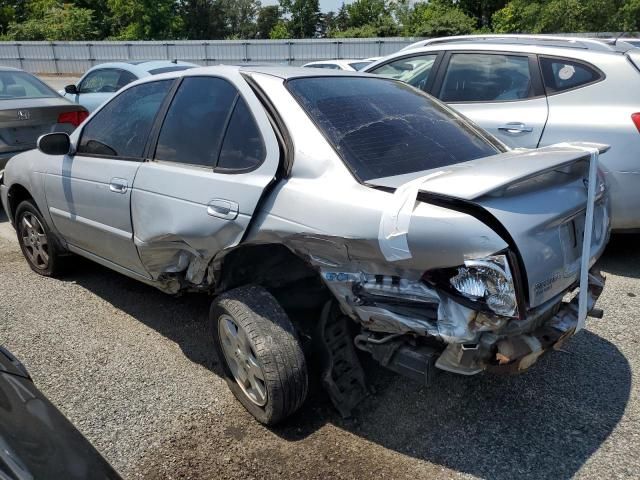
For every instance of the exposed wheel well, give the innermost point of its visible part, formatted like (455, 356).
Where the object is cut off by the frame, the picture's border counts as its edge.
(295, 284)
(17, 194)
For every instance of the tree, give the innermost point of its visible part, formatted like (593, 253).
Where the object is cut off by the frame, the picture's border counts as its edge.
(367, 12)
(100, 12)
(279, 31)
(268, 18)
(481, 10)
(202, 19)
(240, 17)
(304, 14)
(55, 21)
(439, 18)
(560, 16)
(145, 19)
(326, 24)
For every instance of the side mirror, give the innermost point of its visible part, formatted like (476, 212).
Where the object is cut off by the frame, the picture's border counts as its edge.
(57, 143)
(72, 89)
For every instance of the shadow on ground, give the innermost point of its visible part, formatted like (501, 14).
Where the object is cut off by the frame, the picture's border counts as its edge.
(543, 424)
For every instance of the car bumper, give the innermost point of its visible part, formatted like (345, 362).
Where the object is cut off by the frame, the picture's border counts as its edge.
(523, 342)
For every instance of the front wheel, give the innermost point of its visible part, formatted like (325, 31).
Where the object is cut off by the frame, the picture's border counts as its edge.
(261, 356)
(38, 245)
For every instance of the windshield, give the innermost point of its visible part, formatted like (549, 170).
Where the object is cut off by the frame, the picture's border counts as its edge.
(359, 65)
(16, 84)
(383, 128)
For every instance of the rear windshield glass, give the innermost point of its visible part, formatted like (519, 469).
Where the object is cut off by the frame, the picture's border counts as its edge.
(158, 71)
(383, 128)
(22, 85)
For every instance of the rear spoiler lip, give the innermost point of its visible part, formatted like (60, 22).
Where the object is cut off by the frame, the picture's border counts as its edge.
(474, 188)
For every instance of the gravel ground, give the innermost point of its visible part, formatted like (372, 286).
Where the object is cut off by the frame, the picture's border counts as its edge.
(58, 82)
(134, 371)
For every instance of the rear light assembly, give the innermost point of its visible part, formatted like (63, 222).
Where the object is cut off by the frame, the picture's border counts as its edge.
(635, 117)
(75, 118)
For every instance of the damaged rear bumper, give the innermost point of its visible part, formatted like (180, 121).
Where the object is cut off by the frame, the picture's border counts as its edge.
(511, 351)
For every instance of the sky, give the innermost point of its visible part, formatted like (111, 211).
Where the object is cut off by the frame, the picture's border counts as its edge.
(325, 5)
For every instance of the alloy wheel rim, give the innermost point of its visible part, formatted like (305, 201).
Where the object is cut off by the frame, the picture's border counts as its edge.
(34, 241)
(242, 361)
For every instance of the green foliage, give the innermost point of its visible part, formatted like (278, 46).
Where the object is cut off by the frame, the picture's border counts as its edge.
(268, 18)
(439, 18)
(279, 31)
(304, 14)
(216, 19)
(54, 21)
(562, 16)
(144, 19)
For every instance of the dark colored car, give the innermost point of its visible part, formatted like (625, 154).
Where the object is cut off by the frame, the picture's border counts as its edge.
(30, 108)
(36, 440)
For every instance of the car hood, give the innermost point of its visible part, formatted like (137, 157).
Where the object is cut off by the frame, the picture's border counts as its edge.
(534, 199)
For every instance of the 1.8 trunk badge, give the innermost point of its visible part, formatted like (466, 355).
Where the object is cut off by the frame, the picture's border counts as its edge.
(24, 115)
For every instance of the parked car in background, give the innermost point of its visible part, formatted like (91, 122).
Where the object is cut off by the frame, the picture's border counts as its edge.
(289, 191)
(350, 65)
(532, 91)
(99, 83)
(36, 440)
(30, 108)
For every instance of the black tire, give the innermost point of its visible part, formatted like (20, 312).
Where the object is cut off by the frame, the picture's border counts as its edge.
(273, 342)
(44, 244)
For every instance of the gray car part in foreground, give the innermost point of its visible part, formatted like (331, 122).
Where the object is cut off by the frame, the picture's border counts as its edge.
(28, 109)
(466, 266)
(603, 108)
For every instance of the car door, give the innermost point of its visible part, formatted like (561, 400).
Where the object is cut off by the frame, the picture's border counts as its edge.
(215, 154)
(100, 85)
(500, 91)
(89, 192)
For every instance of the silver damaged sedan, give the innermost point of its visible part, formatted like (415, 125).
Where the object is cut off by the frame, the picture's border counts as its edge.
(328, 213)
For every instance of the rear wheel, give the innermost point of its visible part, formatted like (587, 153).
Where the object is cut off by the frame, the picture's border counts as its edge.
(262, 358)
(38, 246)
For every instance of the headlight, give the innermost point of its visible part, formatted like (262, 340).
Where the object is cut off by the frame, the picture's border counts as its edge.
(488, 280)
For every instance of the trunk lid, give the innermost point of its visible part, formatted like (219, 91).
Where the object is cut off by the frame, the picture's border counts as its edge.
(22, 121)
(539, 197)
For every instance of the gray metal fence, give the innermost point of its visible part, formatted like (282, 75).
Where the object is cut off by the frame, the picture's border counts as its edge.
(77, 57)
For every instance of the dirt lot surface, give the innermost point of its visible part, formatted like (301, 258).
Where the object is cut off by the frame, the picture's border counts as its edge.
(134, 370)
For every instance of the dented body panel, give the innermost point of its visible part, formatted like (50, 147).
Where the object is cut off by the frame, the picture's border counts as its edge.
(388, 251)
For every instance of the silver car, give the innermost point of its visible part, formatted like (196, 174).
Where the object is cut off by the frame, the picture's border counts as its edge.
(327, 212)
(532, 91)
(99, 83)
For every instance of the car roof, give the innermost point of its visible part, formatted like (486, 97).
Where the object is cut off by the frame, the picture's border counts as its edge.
(336, 60)
(551, 41)
(142, 67)
(280, 71)
(9, 69)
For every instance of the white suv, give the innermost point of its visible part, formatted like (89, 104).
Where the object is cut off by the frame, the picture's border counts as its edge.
(533, 91)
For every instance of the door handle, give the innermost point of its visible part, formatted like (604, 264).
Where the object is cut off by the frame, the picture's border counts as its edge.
(118, 185)
(222, 208)
(515, 128)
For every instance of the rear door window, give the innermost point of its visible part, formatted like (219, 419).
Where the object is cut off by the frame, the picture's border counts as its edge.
(484, 77)
(122, 126)
(195, 124)
(383, 128)
(415, 71)
(560, 75)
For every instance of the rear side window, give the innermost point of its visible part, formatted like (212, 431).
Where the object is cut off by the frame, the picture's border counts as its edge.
(243, 147)
(480, 77)
(383, 128)
(560, 74)
(121, 127)
(413, 70)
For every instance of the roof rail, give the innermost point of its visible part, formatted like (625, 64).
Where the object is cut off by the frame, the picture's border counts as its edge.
(539, 40)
